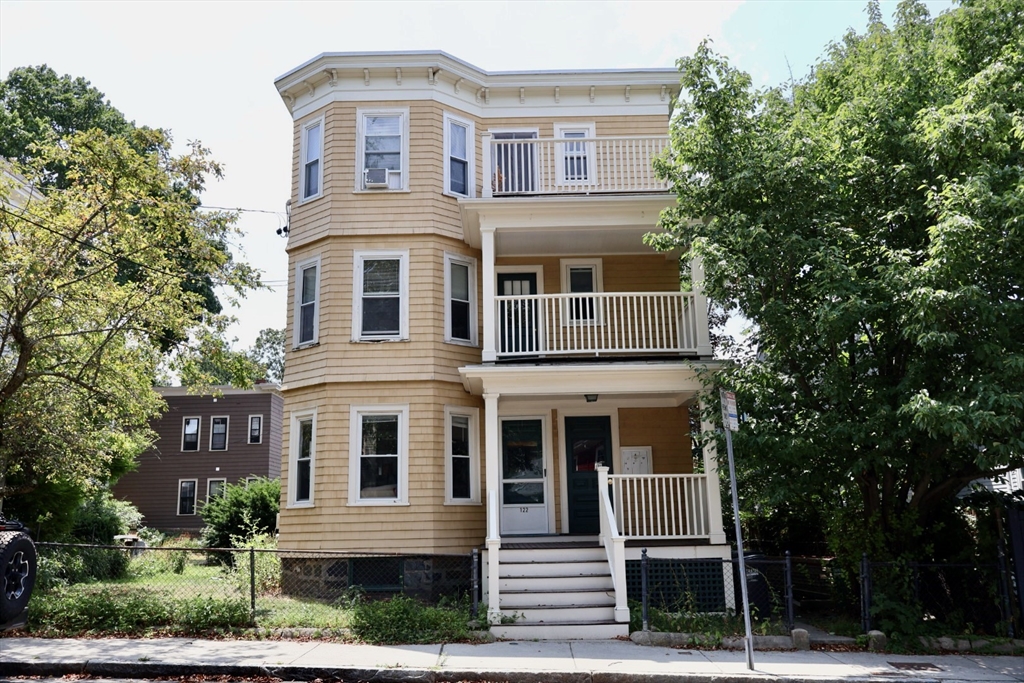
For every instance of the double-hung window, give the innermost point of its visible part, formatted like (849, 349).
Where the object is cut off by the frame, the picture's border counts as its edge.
(383, 151)
(459, 146)
(312, 159)
(576, 154)
(462, 456)
(307, 302)
(460, 299)
(187, 496)
(255, 429)
(379, 455)
(219, 433)
(581, 276)
(302, 459)
(214, 488)
(190, 434)
(381, 306)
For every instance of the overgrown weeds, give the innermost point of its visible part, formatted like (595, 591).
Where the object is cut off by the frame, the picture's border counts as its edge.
(402, 619)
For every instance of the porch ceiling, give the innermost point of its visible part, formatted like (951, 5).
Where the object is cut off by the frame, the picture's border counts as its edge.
(656, 380)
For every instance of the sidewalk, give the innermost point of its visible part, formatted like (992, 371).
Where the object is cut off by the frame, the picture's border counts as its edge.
(611, 661)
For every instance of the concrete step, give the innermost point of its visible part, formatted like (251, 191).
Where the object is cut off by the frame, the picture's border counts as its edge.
(570, 614)
(604, 630)
(552, 569)
(546, 598)
(549, 584)
(524, 555)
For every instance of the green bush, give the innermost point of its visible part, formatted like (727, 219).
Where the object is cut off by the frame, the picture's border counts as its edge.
(240, 512)
(101, 517)
(402, 620)
(266, 565)
(67, 566)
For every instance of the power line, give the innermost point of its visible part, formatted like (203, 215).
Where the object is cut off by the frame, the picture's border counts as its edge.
(238, 208)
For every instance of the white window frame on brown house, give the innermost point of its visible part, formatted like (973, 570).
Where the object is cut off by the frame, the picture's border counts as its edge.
(199, 433)
(314, 305)
(473, 416)
(358, 295)
(356, 414)
(469, 262)
(402, 184)
(213, 431)
(249, 435)
(565, 267)
(195, 497)
(469, 160)
(295, 460)
(305, 160)
(209, 482)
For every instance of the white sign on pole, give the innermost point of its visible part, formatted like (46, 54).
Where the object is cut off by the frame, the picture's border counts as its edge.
(730, 416)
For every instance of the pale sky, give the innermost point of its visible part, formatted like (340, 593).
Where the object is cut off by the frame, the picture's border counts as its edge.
(206, 70)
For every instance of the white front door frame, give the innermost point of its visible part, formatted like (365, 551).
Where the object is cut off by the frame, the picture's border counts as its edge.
(546, 445)
(586, 410)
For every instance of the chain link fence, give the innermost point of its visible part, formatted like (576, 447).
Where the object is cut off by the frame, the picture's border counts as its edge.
(248, 586)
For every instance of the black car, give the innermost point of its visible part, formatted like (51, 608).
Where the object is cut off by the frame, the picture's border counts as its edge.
(17, 573)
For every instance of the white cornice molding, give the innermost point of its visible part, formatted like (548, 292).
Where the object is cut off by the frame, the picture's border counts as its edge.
(667, 377)
(458, 83)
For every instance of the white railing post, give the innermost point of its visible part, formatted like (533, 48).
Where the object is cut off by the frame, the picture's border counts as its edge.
(714, 492)
(700, 304)
(491, 458)
(486, 174)
(490, 353)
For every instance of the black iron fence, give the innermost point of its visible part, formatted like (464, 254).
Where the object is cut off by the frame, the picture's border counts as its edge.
(278, 588)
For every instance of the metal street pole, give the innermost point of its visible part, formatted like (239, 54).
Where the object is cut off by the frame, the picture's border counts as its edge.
(731, 422)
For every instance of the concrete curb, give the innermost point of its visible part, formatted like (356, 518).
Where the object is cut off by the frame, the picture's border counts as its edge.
(401, 675)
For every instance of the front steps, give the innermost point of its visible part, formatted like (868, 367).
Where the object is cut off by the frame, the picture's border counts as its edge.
(561, 592)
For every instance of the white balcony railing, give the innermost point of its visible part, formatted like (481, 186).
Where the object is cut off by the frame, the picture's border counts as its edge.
(572, 166)
(596, 324)
(649, 506)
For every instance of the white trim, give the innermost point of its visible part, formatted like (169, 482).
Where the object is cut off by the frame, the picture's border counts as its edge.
(513, 412)
(474, 454)
(312, 123)
(403, 124)
(195, 498)
(357, 293)
(248, 432)
(297, 304)
(586, 410)
(470, 263)
(355, 453)
(448, 119)
(199, 432)
(293, 455)
(222, 480)
(589, 152)
(564, 265)
(227, 432)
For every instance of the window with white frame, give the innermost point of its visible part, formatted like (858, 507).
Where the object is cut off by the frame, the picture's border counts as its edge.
(381, 306)
(214, 488)
(255, 429)
(460, 299)
(459, 145)
(219, 433)
(302, 459)
(379, 455)
(576, 155)
(311, 179)
(462, 456)
(187, 496)
(582, 276)
(307, 302)
(383, 149)
(190, 433)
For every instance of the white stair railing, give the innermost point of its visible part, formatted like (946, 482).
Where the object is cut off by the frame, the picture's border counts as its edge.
(493, 569)
(651, 506)
(614, 546)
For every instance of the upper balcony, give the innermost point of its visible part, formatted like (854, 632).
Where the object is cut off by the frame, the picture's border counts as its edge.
(523, 164)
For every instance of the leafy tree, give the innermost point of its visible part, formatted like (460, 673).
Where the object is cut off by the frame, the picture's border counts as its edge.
(79, 343)
(870, 225)
(241, 512)
(268, 352)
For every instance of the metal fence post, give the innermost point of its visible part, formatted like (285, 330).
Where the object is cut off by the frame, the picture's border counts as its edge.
(1004, 589)
(865, 593)
(788, 577)
(643, 587)
(475, 582)
(252, 583)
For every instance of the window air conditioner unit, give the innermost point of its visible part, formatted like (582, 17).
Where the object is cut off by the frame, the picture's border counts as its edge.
(375, 177)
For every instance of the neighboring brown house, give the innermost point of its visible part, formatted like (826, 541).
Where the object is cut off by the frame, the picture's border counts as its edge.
(202, 443)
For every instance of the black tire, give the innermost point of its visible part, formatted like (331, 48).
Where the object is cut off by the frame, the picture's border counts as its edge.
(17, 573)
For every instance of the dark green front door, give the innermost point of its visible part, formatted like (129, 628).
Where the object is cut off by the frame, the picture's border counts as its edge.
(588, 443)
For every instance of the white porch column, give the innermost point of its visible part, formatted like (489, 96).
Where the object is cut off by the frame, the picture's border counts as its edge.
(701, 304)
(485, 158)
(714, 489)
(492, 464)
(490, 353)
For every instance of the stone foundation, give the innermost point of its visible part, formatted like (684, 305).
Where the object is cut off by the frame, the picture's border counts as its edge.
(327, 578)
